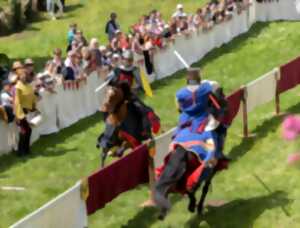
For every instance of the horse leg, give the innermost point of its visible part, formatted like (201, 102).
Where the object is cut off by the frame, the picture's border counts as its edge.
(204, 192)
(173, 172)
(192, 202)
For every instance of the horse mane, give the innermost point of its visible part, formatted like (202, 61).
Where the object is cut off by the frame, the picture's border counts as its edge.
(115, 105)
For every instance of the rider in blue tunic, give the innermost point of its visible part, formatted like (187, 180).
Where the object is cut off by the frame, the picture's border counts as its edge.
(191, 132)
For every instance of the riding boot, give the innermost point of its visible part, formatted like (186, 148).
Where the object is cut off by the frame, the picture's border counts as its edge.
(172, 173)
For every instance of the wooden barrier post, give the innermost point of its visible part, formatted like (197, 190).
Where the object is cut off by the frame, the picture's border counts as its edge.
(245, 114)
(151, 172)
(277, 95)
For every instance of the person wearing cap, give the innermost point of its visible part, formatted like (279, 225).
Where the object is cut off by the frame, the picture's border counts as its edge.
(126, 72)
(179, 12)
(112, 26)
(24, 102)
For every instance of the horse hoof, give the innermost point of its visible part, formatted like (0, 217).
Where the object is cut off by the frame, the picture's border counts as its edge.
(192, 205)
(200, 210)
(191, 208)
(162, 215)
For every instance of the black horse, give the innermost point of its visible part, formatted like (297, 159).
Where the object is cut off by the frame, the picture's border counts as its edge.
(183, 172)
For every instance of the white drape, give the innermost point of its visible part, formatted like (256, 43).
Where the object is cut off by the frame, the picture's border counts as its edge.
(67, 210)
(162, 143)
(261, 91)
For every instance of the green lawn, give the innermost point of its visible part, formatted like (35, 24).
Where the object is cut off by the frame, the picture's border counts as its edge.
(58, 161)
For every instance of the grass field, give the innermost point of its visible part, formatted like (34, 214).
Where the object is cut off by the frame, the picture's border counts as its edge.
(259, 190)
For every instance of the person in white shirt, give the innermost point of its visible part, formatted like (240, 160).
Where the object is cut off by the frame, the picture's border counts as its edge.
(179, 11)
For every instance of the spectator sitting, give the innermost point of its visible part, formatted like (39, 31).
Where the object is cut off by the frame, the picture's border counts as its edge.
(179, 11)
(112, 26)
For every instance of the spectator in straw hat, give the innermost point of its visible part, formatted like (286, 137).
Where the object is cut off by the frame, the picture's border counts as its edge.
(15, 70)
(179, 11)
(25, 102)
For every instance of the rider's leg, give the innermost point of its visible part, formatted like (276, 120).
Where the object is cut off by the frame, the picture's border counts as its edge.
(221, 133)
(172, 173)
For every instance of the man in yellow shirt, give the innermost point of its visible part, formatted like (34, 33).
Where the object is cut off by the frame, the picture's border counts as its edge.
(25, 101)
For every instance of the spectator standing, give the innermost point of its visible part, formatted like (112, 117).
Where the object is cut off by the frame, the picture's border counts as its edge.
(25, 102)
(112, 26)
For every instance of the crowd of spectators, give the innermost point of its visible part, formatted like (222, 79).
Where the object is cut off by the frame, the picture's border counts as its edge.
(151, 32)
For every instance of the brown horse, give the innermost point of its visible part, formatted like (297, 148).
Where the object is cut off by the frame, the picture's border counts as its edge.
(128, 121)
